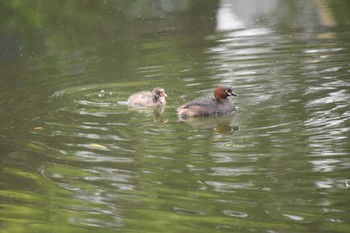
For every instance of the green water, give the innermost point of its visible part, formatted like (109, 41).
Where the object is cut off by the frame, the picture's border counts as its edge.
(75, 158)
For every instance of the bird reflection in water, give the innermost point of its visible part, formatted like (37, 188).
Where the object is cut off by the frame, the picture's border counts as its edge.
(155, 112)
(222, 124)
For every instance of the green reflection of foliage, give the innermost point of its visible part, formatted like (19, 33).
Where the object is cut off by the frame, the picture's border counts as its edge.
(45, 208)
(29, 12)
(39, 13)
(340, 10)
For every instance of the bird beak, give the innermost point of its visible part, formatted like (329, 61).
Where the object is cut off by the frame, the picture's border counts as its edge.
(232, 94)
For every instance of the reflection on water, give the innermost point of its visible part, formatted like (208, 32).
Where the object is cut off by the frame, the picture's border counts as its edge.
(222, 124)
(76, 158)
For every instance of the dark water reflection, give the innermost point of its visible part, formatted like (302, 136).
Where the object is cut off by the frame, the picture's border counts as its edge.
(75, 158)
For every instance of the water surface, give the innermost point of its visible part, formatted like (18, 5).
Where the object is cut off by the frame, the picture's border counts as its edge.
(76, 158)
